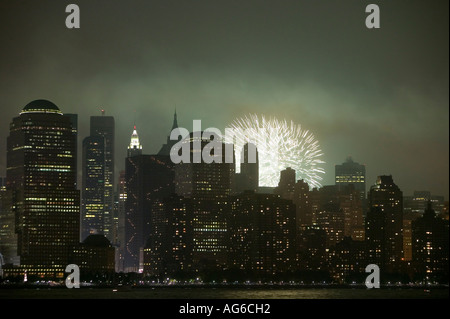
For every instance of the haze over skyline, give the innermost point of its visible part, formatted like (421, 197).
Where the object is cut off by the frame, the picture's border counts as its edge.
(380, 96)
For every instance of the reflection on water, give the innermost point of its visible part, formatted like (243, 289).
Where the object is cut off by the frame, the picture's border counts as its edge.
(226, 293)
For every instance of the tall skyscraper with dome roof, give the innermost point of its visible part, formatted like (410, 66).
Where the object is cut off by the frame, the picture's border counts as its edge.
(41, 174)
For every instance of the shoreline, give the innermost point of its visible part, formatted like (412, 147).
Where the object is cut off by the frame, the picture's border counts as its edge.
(223, 286)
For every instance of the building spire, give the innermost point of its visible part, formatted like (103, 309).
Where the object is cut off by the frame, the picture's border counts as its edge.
(175, 122)
(165, 149)
(135, 147)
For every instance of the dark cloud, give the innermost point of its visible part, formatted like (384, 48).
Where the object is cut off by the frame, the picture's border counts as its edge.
(379, 95)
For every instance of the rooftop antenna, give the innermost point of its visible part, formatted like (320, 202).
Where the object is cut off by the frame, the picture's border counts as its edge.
(103, 112)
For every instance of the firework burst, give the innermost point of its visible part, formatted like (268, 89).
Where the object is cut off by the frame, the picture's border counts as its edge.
(280, 145)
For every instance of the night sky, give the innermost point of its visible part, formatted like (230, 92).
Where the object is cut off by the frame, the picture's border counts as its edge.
(380, 95)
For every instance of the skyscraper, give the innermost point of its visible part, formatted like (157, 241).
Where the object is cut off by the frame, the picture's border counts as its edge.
(430, 246)
(74, 122)
(8, 236)
(302, 203)
(135, 147)
(148, 178)
(384, 224)
(41, 162)
(298, 192)
(347, 261)
(208, 185)
(248, 178)
(104, 126)
(351, 204)
(311, 248)
(418, 202)
(338, 211)
(351, 172)
(262, 233)
(121, 215)
(203, 181)
(169, 248)
(286, 185)
(93, 187)
(408, 218)
(95, 257)
(331, 218)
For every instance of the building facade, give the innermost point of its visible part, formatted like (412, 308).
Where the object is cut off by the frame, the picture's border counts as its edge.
(169, 249)
(148, 178)
(430, 247)
(8, 236)
(351, 172)
(262, 232)
(95, 258)
(41, 174)
(248, 178)
(384, 225)
(121, 215)
(299, 193)
(209, 186)
(104, 126)
(93, 186)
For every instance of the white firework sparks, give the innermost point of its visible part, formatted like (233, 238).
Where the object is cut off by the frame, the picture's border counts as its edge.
(280, 145)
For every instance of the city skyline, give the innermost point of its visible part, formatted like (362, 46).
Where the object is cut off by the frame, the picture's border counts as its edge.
(189, 220)
(326, 176)
(380, 96)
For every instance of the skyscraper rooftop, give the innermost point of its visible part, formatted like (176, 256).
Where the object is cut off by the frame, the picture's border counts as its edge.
(40, 106)
(135, 147)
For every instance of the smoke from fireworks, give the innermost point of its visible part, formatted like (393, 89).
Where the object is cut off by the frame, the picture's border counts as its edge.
(280, 145)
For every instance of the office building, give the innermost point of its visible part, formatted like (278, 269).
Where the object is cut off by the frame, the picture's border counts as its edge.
(351, 172)
(418, 202)
(351, 204)
(347, 261)
(408, 218)
(93, 187)
(298, 192)
(8, 236)
(169, 249)
(248, 178)
(74, 122)
(95, 258)
(148, 178)
(331, 219)
(286, 185)
(121, 215)
(209, 186)
(311, 248)
(201, 180)
(302, 204)
(430, 247)
(104, 126)
(262, 234)
(41, 162)
(384, 225)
